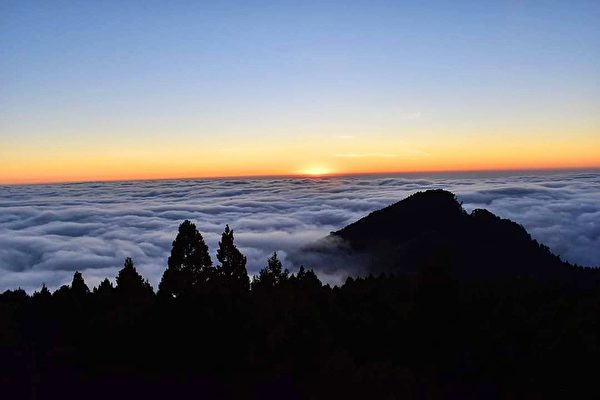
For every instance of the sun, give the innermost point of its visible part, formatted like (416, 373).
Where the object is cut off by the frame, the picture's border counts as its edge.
(316, 171)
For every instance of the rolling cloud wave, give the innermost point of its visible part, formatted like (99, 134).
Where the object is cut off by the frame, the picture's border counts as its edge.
(48, 231)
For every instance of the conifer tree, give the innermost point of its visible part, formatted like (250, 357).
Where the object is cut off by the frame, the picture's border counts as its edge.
(78, 286)
(189, 267)
(272, 275)
(233, 263)
(130, 283)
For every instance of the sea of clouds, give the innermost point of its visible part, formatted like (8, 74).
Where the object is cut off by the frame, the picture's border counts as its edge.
(49, 231)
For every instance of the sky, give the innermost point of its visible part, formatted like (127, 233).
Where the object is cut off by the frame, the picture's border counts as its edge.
(117, 90)
(49, 231)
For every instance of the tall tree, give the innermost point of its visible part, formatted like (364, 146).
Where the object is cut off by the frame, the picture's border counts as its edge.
(272, 275)
(189, 267)
(233, 263)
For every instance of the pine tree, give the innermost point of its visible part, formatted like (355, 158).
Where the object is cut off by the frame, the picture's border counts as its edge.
(189, 267)
(78, 286)
(131, 284)
(233, 263)
(272, 275)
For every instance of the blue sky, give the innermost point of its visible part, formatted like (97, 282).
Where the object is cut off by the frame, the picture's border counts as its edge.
(79, 76)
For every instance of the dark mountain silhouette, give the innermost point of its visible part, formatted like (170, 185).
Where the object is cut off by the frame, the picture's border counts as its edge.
(432, 229)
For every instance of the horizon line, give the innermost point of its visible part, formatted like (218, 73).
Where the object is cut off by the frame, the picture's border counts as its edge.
(305, 175)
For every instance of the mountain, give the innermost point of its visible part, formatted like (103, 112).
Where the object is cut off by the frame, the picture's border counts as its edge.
(431, 229)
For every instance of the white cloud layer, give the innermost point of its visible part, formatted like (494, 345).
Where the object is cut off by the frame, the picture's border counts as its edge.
(48, 231)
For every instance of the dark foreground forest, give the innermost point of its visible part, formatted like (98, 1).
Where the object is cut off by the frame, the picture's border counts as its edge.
(454, 321)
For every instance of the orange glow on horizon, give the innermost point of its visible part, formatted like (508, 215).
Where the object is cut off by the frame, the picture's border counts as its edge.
(319, 156)
(303, 173)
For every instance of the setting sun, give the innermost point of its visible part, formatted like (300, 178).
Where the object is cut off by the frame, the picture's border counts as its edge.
(316, 171)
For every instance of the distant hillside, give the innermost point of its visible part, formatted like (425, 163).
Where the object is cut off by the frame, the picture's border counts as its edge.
(431, 229)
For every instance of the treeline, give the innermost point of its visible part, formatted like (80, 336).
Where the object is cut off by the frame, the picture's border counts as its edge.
(190, 272)
(210, 332)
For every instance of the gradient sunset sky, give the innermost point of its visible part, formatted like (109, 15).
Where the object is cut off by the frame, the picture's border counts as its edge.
(93, 90)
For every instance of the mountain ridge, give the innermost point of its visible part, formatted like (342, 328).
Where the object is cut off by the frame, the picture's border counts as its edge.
(431, 228)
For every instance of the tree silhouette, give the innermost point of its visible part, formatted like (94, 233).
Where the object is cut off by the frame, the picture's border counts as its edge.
(78, 286)
(43, 295)
(62, 292)
(105, 288)
(272, 275)
(189, 266)
(130, 283)
(306, 279)
(233, 263)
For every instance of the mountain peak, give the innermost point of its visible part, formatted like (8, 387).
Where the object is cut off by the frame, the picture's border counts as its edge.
(418, 213)
(432, 225)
